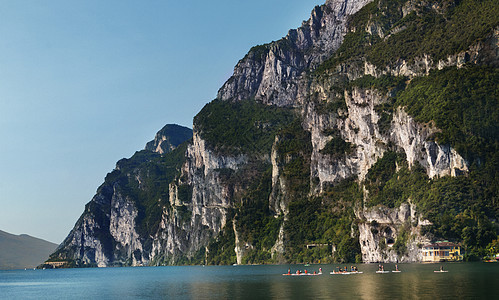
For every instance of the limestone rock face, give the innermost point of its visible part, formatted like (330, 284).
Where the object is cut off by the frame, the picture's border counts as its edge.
(207, 207)
(439, 160)
(277, 200)
(361, 129)
(382, 228)
(97, 239)
(122, 227)
(269, 72)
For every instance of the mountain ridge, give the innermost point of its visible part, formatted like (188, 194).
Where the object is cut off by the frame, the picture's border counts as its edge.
(23, 251)
(321, 139)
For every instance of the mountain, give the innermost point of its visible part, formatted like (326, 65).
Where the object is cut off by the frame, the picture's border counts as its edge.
(23, 251)
(364, 134)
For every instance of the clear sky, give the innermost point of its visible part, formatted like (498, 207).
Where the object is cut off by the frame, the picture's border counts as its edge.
(86, 83)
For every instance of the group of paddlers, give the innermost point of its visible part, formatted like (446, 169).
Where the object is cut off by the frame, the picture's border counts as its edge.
(345, 269)
(381, 268)
(298, 272)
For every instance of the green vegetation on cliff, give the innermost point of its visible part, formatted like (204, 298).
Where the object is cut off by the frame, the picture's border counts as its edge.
(326, 222)
(392, 187)
(240, 127)
(294, 149)
(151, 194)
(463, 103)
(437, 29)
(254, 221)
(172, 135)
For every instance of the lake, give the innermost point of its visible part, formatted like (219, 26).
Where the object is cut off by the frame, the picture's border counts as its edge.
(416, 281)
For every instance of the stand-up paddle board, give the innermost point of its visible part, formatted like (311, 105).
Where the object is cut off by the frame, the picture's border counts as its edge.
(302, 274)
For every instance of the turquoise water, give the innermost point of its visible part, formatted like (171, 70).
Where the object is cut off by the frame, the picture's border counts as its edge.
(416, 281)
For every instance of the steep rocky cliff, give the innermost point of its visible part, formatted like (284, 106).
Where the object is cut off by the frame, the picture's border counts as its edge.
(122, 220)
(359, 136)
(269, 72)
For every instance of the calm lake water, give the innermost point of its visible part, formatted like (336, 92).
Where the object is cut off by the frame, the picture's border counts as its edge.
(416, 281)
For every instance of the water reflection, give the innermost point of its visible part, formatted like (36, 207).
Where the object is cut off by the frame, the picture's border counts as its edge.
(416, 281)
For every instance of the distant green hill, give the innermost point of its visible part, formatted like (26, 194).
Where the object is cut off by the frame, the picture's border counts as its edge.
(23, 251)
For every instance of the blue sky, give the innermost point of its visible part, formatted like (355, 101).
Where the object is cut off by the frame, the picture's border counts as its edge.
(86, 83)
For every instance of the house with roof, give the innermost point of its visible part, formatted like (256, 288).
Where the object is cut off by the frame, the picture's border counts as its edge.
(441, 251)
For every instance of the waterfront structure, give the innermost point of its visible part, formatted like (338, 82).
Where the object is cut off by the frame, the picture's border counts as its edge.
(56, 264)
(441, 251)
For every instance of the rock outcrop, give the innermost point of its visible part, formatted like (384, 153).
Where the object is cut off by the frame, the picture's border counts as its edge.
(391, 235)
(269, 72)
(168, 138)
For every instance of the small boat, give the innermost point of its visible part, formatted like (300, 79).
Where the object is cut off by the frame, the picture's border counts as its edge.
(382, 272)
(396, 271)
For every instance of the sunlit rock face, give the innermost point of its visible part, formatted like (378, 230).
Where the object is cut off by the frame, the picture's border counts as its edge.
(439, 160)
(105, 234)
(269, 72)
(382, 227)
